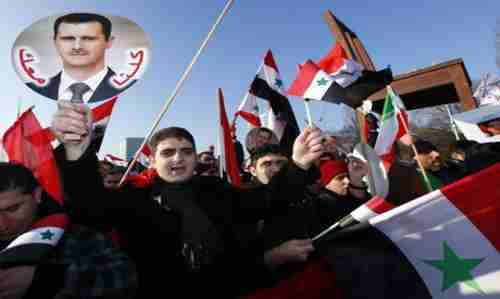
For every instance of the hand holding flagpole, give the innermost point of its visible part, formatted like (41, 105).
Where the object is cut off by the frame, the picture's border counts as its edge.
(177, 88)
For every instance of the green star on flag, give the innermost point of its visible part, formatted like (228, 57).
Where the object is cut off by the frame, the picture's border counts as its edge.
(455, 269)
(278, 82)
(47, 235)
(322, 82)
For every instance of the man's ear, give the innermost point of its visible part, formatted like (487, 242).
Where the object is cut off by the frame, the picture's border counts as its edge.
(110, 41)
(253, 170)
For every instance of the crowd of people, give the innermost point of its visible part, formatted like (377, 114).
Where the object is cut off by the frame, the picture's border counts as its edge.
(179, 226)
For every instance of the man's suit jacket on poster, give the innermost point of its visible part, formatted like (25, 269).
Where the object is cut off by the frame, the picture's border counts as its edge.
(104, 91)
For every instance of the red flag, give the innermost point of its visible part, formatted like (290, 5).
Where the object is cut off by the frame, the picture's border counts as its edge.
(229, 161)
(145, 156)
(25, 142)
(117, 161)
(314, 281)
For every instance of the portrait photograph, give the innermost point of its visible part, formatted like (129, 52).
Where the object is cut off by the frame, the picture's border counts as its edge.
(80, 56)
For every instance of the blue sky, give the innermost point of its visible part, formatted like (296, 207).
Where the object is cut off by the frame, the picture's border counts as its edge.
(405, 34)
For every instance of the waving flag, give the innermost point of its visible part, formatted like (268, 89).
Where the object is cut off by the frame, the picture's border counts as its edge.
(394, 125)
(440, 245)
(117, 161)
(249, 110)
(268, 85)
(145, 156)
(344, 71)
(229, 162)
(26, 143)
(338, 80)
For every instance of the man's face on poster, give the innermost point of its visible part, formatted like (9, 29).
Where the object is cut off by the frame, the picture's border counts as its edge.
(82, 45)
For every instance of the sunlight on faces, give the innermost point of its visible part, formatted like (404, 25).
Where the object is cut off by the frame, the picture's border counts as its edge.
(82, 45)
(174, 160)
(17, 212)
(339, 184)
(266, 167)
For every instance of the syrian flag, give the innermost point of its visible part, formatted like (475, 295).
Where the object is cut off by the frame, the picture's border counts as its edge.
(145, 156)
(268, 85)
(344, 71)
(312, 82)
(249, 110)
(26, 143)
(35, 244)
(229, 162)
(117, 161)
(394, 125)
(440, 245)
(404, 186)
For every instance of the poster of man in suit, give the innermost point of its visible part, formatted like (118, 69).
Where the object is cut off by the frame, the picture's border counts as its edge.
(82, 57)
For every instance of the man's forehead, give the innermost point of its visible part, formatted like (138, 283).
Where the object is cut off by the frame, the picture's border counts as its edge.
(93, 27)
(174, 143)
(271, 157)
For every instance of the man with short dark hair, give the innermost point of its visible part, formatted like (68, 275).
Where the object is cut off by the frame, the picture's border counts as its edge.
(430, 159)
(81, 40)
(83, 264)
(266, 161)
(191, 218)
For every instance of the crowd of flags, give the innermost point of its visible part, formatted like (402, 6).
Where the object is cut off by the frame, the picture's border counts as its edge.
(450, 241)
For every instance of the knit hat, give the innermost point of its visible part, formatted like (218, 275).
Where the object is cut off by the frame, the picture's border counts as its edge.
(330, 169)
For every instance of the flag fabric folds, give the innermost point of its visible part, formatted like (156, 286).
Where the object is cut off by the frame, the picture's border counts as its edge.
(344, 71)
(229, 163)
(117, 161)
(249, 110)
(393, 126)
(26, 143)
(268, 85)
(337, 79)
(440, 245)
(145, 156)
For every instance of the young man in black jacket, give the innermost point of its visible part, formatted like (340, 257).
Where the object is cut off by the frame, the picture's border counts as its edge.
(180, 225)
(35, 263)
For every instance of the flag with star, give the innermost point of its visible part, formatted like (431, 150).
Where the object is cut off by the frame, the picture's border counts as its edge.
(444, 244)
(249, 110)
(31, 247)
(312, 82)
(268, 85)
(26, 143)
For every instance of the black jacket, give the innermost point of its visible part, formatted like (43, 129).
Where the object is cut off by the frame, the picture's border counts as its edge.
(150, 225)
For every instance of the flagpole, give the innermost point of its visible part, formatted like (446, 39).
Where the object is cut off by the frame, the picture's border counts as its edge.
(424, 173)
(177, 88)
(452, 123)
(308, 112)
